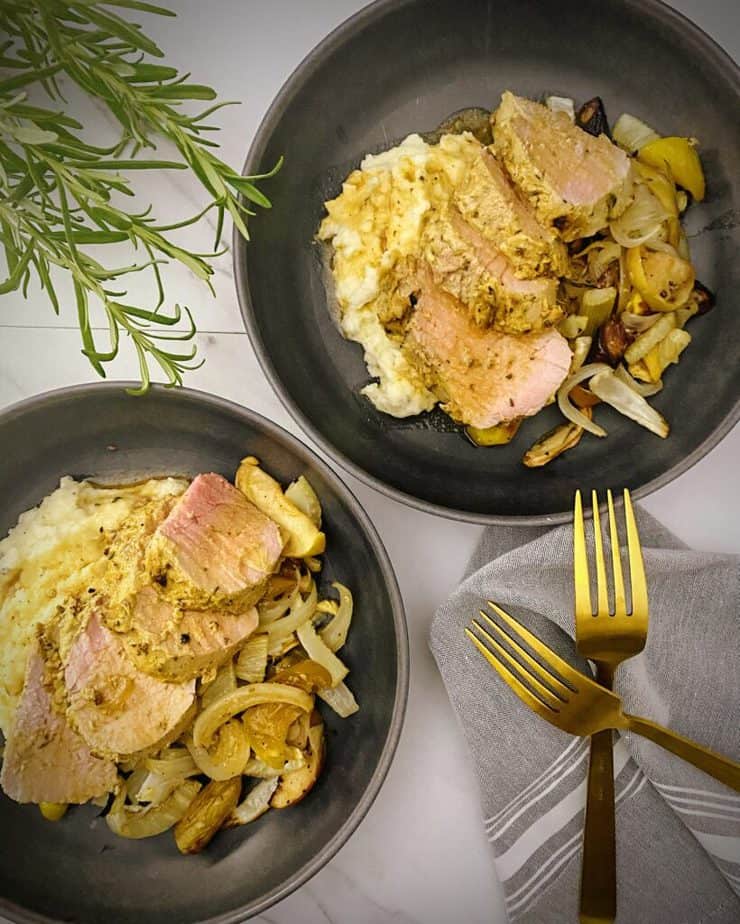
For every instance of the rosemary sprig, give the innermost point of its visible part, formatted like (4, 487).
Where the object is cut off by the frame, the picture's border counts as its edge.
(60, 194)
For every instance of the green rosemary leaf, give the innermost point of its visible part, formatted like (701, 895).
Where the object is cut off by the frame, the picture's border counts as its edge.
(238, 220)
(124, 30)
(88, 344)
(151, 73)
(134, 5)
(15, 277)
(90, 236)
(143, 370)
(33, 135)
(26, 78)
(270, 174)
(133, 164)
(219, 225)
(42, 268)
(183, 91)
(206, 142)
(37, 114)
(247, 188)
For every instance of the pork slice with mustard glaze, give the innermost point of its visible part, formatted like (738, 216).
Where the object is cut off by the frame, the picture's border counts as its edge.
(485, 377)
(118, 709)
(575, 182)
(45, 759)
(161, 638)
(215, 549)
(468, 266)
(489, 203)
(178, 646)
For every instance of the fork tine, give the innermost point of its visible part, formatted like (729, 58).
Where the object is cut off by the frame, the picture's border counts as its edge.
(524, 694)
(620, 607)
(553, 661)
(580, 563)
(548, 697)
(638, 583)
(601, 585)
(561, 691)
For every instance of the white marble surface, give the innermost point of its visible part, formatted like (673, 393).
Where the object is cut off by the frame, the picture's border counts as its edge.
(420, 855)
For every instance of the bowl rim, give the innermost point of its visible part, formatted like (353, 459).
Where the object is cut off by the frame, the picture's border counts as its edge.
(659, 11)
(303, 452)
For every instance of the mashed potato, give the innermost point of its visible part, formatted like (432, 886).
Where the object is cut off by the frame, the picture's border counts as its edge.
(56, 550)
(374, 225)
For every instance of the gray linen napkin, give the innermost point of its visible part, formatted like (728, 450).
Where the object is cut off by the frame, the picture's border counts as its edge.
(678, 831)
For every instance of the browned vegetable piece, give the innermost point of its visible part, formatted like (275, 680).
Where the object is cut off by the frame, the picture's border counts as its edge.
(296, 785)
(597, 354)
(591, 117)
(307, 675)
(611, 343)
(268, 725)
(583, 397)
(664, 280)
(206, 813)
(702, 297)
(288, 645)
(53, 811)
(281, 583)
(554, 443)
(610, 276)
(298, 732)
(287, 660)
(301, 534)
(499, 435)
(267, 728)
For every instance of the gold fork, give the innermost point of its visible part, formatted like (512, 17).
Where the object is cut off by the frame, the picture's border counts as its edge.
(607, 639)
(573, 702)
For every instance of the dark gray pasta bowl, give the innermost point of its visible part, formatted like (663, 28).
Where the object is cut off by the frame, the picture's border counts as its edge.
(402, 66)
(77, 870)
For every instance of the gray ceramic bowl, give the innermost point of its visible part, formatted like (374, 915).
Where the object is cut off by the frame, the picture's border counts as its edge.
(405, 65)
(77, 870)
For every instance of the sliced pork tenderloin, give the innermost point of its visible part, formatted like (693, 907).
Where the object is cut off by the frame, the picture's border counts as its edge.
(45, 759)
(118, 709)
(468, 266)
(489, 202)
(575, 182)
(484, 377)
(180, 646)
(215, 549)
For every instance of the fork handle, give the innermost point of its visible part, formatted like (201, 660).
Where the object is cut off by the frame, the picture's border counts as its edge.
(598, 868)
(721, 768)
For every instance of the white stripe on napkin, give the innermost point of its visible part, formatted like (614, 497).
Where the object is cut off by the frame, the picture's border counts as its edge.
(725, 850)
(571, 767)
(577, 745)
(665, 789)
(548, 825)
(722, 846)
(538, 875)
(702, 804)
(542, 877)
(682, 804)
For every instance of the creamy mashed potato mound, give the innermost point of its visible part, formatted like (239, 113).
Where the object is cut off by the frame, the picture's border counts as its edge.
(374, 225)
(55, 551)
